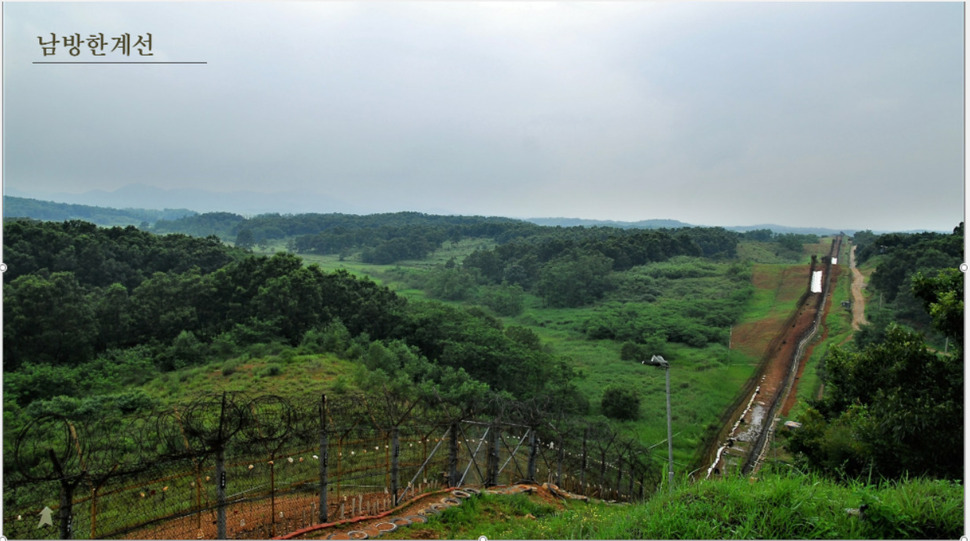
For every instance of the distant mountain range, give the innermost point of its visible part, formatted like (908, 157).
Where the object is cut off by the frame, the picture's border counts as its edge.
(20, 207)
(133, 204)
(674, 224)
(241, 202)
(642, 224)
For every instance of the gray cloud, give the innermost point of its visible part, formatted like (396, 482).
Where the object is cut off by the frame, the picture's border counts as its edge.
(834, 115)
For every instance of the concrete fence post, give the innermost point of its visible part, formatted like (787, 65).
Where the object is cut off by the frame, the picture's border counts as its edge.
(493, 457)
(533, 451)
(395, 465)
(453, 456)
(324, 460)
(582, 471)
(221, 473)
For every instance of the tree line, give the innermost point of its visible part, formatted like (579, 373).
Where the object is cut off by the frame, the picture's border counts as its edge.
(899, 258)
(336, 232)
(570, 267)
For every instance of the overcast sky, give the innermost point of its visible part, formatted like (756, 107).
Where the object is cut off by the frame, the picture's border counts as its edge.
(803, 114)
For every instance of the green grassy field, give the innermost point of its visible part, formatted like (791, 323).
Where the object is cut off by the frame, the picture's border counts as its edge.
(703, 380)
(273, 369)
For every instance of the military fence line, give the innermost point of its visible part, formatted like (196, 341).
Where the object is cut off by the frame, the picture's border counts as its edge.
(239, 466)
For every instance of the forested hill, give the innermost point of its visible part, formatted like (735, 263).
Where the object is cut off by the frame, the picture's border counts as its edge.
(75, 292)
(21, 207)
(81, 300)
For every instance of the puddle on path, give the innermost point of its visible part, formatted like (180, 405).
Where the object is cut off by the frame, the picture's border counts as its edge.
(754, 424)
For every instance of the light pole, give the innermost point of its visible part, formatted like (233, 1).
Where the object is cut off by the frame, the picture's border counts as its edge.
(660, 362)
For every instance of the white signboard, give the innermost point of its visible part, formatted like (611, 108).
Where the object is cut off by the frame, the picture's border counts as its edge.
(816, 281)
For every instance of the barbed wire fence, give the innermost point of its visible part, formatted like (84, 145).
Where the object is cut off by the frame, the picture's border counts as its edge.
(232, 466)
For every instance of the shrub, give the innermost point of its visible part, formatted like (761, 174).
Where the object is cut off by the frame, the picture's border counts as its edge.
(621, 403)
(504, 300)
(271, 370)
(631, 352)
(229, 368)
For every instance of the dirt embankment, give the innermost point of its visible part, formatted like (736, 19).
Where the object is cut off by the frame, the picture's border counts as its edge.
(772, 390)
(775, 340)
(792, 395)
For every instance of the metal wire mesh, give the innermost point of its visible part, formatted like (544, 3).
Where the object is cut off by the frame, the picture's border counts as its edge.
(251, 467)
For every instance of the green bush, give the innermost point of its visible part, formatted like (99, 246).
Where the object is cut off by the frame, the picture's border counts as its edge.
(229, 367)
(631, 351)
(621, 403)
(504, 300)
(271, 370)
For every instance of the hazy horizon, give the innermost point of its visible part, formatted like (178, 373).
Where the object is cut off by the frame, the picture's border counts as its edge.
(94, 199)
(800, 114)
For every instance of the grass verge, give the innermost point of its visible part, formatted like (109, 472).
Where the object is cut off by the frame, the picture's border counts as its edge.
(775, 506)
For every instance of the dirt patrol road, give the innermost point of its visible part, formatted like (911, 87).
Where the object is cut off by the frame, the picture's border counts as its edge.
(858, 299)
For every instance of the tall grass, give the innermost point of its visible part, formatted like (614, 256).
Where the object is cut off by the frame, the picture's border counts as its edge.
(775, 506)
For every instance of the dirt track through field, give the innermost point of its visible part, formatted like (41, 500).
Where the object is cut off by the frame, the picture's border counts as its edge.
(858, 299)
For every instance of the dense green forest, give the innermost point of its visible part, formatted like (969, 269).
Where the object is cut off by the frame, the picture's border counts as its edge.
(90, 310)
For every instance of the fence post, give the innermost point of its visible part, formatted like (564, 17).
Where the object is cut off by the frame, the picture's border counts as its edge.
(560, 456)
(582, 471)
(619, 474)
(603, 482)
(424, 447)
(533, 449)
(632, 476)
(395, 470)
(387, 462)
(221, 475)
(340, 453)
(198, 494)
(272, 495)
(221, 493)
(67, 498)
(95, 487)
(65, 511)
(324, 458)
(492, 464)
(94, 511)
(453, 456)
